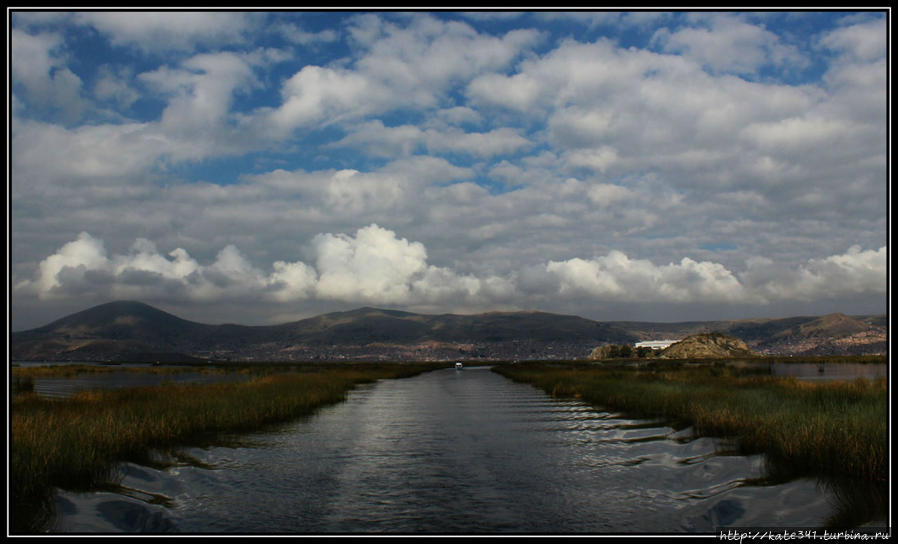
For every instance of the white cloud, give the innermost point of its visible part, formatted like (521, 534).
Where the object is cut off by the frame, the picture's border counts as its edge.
(427, 54)
(399, 67)
(349, 194)
(316, 94)
(378, 140)
(94, 152)
(600, 159)
(114, 85)
(39, 68)
(606, 195)
(297, 35)
(616, 277)
(144, 257)
(459, 115)
(498, 151)
(852, 273)
(728, 44)
(519, 92)
(864, 42)
(169, 31)
(375, 266)
(292, 281)
(795, 134)
(83, 253)
(195, 124)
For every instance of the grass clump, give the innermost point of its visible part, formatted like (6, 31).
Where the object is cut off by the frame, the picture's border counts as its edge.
(823, 428)
(76, 443)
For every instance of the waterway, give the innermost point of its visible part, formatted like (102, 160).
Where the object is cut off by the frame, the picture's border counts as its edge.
(457, 452)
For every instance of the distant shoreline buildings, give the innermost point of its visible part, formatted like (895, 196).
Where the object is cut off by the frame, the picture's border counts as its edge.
(655, 344)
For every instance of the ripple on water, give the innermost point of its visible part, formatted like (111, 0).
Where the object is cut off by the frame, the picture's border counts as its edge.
(454, 452)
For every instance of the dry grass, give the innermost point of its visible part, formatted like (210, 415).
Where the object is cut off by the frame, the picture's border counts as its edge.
(832, 428)
(76, 443)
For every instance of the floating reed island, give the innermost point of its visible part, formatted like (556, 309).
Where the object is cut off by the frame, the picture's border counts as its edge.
(834, 428)
(77, 443)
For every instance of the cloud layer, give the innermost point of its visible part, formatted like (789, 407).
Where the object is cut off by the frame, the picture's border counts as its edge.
(593, 163)
(375, 266)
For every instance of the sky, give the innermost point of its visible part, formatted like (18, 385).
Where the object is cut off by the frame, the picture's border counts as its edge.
(262, 167)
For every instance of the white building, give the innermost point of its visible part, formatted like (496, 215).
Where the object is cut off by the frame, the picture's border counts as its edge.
(655, 344)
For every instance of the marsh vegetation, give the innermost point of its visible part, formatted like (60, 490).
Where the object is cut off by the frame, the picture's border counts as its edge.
(75, 443)
(818, 428)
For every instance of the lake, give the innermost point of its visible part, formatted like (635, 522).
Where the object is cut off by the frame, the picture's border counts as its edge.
(457, 452)
(62, 387)
(829, 371)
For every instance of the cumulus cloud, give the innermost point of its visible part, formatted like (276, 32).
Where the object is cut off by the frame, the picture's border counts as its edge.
(115, 85)
(375, 266)
(379, 140)
(854, 272)
(727, 44)
(500, 146)
(519, 92)
(865, 41)
(400, 67)
(80, 255)
(316, 94)
(297, 35)
(196, 123)
(91, 152)
(38, 66)
(350, 193)
(167, 31)
(201, 89)
(616, 277)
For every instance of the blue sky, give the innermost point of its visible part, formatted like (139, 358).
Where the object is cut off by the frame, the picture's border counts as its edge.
(258, 167)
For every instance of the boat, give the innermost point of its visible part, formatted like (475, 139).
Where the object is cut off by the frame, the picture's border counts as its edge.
(458, 365)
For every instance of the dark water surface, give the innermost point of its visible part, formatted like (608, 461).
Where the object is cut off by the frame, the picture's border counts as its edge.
(829, 371)
(123, 379)
(453, 452)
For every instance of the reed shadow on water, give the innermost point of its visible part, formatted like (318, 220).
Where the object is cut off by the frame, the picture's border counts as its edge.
(77, 443)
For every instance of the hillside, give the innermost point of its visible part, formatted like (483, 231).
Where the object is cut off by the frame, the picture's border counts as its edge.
(133, 331)
(832, 334)
(707, 345)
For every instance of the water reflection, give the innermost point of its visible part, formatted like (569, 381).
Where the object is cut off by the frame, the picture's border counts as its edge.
(829, 371)
(122, 377)
(460, 453)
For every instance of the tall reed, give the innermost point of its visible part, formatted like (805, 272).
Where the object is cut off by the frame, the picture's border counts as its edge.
(834, 428)
(76, 443)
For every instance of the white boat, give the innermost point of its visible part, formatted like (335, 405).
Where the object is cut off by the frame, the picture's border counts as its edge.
(458, 365)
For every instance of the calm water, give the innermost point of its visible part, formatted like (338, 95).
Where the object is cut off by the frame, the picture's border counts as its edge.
(829, 371)
(122, 379)
(453, 452)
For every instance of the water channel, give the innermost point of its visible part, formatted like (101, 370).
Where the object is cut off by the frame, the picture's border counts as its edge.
(454, 452)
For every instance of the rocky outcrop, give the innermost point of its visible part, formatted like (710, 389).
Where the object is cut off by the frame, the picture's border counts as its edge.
(708, 345)
(625, 351)
(601, 352)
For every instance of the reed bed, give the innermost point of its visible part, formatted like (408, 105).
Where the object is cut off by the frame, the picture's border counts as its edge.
(76, 443)
(823, 428)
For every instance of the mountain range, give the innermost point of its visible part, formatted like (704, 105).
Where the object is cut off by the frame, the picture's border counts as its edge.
(134, 331)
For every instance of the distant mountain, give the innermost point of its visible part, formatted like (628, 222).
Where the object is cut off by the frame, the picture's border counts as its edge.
(115, 331)
(133, 331)
(832, 334)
